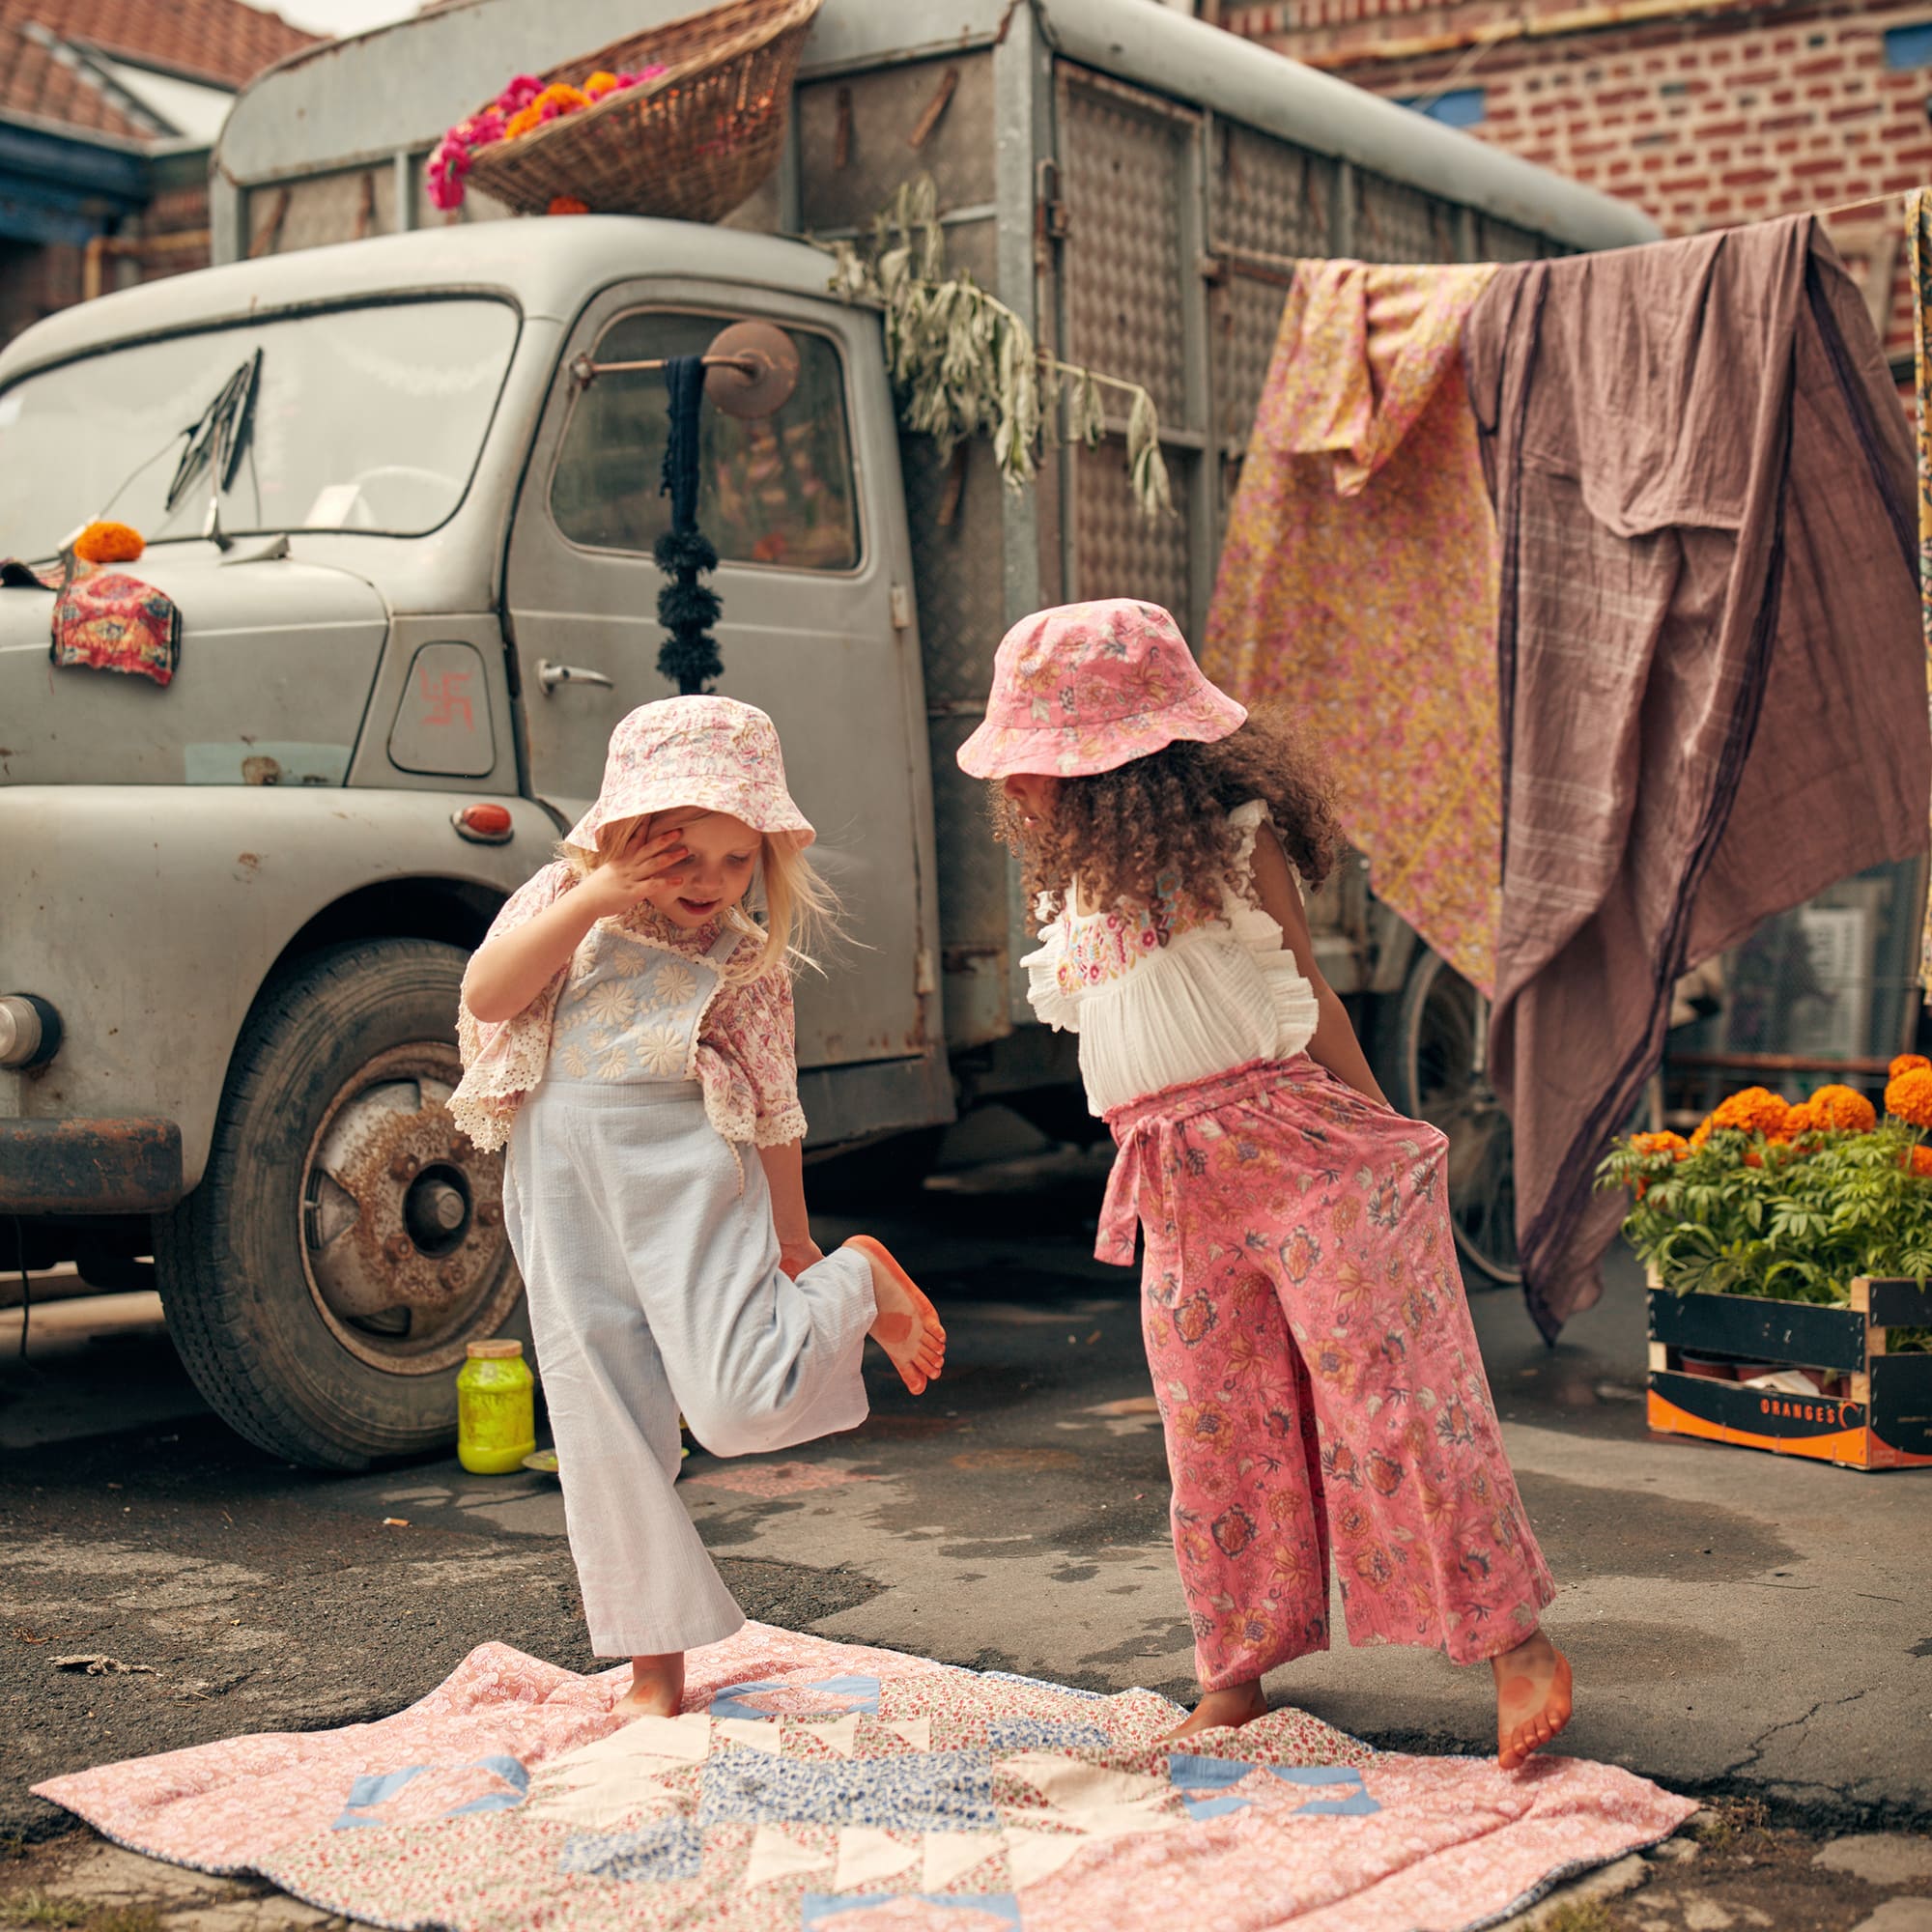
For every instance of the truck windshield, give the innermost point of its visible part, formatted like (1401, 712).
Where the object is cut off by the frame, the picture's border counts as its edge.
(364, 419)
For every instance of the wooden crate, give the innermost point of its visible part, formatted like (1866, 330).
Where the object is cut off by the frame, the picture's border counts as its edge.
(1881, 1419)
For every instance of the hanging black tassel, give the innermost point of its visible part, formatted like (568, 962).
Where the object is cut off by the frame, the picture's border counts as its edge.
(686, 608)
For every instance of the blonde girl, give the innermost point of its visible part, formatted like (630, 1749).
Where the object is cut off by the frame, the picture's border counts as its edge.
(627, 1030)
(1312, 1358)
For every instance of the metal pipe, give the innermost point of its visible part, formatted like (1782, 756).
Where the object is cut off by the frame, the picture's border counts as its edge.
(1772, 1063)
(586, 371)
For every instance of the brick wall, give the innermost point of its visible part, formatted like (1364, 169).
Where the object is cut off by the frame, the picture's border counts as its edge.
(1705, 118)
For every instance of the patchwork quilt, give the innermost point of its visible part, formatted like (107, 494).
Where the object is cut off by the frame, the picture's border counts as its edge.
(813, 1787)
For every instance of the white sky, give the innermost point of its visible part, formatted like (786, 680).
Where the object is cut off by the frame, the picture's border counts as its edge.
(340, 17)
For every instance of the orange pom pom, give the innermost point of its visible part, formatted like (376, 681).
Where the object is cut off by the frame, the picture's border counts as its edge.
(1757, 1110)
(1844, 1109)
(1908, 1098)
(108, 543)
(1904, 1064)
(567, 204)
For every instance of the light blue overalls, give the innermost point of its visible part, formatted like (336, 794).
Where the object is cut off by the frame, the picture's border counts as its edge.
(647, 1243)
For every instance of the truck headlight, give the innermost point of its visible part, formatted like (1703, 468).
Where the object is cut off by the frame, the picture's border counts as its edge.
(30, 1030)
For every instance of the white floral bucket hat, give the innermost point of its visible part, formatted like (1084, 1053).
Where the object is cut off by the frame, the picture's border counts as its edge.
(681, 751)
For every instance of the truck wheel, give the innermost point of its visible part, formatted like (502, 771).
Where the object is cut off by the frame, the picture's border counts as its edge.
(345, 1241)
(1434, 1057)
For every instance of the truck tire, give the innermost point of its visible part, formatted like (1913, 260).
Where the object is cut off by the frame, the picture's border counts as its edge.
(346, 1241)
(1430, 1057)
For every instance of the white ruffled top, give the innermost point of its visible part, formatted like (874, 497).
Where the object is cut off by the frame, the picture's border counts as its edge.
(1216, 996)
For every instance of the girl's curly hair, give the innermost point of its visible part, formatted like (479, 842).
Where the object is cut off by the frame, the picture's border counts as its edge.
(1155, 831)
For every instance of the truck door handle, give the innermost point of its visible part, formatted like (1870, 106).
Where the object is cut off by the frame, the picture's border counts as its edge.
(551, 675)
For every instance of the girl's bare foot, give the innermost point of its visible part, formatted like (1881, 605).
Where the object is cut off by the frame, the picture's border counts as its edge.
(1532, 1698)
(657, 1687)
(907, 1327)
(1221, 1709)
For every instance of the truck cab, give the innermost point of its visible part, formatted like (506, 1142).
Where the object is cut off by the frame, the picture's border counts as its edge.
(417, 591)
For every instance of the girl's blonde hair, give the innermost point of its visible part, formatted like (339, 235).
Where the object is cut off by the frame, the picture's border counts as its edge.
(799, 909)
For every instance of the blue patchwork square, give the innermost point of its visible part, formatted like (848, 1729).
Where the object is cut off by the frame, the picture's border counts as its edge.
(943, 1791)
(668, 1849)
(1025, 1734)
(994, 1909)
(1205, 1785)
(511, 1770)
(786, 1696)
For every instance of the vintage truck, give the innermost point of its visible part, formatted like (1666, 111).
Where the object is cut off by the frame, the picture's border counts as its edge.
(412, 551)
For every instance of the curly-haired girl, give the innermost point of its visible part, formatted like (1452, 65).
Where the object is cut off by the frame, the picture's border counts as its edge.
(1313, 1357)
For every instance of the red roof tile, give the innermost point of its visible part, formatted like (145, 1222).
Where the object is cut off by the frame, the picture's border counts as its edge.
(33, 81)
(223, 41)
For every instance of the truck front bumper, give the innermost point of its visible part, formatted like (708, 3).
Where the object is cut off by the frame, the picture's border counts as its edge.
(89, 1167)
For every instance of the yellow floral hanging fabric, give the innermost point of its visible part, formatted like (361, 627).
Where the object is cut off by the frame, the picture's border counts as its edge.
(1359, 583)
(1918, 239)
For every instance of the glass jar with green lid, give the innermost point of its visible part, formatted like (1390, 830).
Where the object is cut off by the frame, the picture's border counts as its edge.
(495, 1409)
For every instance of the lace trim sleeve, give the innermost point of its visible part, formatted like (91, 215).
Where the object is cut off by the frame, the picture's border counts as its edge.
(502, 1059)
(752, 1025)
(1046, 992)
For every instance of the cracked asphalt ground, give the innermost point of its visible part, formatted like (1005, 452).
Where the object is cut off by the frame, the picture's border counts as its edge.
(1741, 1626)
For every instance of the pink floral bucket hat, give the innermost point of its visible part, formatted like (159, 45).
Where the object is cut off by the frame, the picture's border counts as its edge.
(709, 752)
(1086, 688)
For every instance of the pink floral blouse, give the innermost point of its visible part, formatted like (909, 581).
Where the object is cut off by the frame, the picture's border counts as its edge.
(747, 1062)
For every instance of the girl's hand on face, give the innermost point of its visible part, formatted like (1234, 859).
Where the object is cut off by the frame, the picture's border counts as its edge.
(646, 867)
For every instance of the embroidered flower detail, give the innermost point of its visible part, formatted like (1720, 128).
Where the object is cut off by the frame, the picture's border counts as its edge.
(610, 1002)
(661, 1051)
(616, 1063)
(672, 986)
(574, 1062)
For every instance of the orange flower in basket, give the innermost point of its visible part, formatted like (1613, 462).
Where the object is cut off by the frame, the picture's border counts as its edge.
(1917, 1163)
(522, 122)
(567, 204)
(1904, 1064)
(1671, 1143)
(108, 543)
(1844, 1109)
(1908, 1098)
(1757, 1110)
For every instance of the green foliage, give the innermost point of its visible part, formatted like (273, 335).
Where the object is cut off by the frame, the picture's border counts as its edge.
(1743, 1215)
(964, 364)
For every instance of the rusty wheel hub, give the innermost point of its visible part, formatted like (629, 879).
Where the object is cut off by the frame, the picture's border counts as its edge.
(403, 1238)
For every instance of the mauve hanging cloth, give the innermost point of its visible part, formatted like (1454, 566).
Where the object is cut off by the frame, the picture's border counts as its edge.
(1711, 678)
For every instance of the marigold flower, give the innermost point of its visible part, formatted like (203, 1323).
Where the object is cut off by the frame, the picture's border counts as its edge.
(108, 543)
(1701, 1132)
(1908, 1098)
(1844, 1109)
(1757, 1110)
(567, 204)
(1666, 1142)
(1918, 1162)
(522, 122)
(1904, 1064)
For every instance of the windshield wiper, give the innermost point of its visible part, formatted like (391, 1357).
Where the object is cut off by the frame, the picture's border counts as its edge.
(216, 441)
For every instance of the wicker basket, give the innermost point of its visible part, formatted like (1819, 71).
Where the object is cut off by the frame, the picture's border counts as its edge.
(692, 144)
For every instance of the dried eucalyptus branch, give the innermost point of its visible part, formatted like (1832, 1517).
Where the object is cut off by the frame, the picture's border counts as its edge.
(964, 364)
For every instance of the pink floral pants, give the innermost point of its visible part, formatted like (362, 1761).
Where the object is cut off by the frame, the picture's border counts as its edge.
(1317, 1373)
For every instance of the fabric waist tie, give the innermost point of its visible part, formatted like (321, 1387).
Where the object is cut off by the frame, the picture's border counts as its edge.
(1140, 1126)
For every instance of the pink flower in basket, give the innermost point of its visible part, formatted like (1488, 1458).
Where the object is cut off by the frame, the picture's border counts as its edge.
(526, 103)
